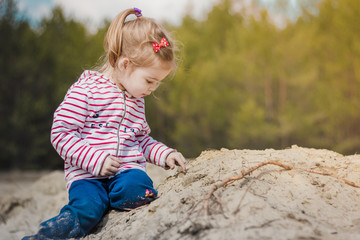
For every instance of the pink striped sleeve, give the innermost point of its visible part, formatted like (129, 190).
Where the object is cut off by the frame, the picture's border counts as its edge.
(69, 119)
(154, 151)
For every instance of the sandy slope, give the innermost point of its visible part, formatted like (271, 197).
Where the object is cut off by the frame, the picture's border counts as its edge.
(271, 203)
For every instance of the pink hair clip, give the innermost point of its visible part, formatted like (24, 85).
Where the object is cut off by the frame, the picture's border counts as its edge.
(138, 12)
(163, 43)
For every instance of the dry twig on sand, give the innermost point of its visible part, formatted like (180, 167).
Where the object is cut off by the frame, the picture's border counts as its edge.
(226, 182)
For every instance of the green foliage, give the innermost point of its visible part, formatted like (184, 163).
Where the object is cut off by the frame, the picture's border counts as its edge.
(242, 82)
(245, 83)
(37, 68)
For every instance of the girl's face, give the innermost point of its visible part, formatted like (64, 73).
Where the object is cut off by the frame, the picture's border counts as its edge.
(142, 81)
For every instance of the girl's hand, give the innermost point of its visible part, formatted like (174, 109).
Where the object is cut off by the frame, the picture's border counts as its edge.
(110, 166)
(175, 158)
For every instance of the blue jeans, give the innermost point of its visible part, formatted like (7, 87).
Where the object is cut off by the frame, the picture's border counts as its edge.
(90, 199)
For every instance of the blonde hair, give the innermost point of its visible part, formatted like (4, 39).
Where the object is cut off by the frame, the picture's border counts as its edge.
(133, 39)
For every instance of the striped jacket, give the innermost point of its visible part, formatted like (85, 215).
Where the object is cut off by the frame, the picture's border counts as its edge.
(97, 119)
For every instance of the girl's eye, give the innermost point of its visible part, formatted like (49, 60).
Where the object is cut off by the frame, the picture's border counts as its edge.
(156, 83)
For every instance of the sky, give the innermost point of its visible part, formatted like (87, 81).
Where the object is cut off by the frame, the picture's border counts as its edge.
(93, 12)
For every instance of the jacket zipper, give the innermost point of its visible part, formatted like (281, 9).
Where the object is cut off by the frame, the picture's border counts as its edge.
(118, 130)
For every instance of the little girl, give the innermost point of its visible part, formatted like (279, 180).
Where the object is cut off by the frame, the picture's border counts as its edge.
(101, 132)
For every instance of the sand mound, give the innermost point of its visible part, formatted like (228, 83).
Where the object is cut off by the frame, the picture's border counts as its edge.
(270, 203)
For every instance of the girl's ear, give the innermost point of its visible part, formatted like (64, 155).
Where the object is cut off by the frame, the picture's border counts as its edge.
(123, 64)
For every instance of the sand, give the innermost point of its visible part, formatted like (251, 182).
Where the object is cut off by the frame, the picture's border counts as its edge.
(270, 203)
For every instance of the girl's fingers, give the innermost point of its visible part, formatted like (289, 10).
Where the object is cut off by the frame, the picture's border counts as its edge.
(182, 165)
(113, 170)
(115, 159)
(171, 164)
(181, 161)
(115, 164)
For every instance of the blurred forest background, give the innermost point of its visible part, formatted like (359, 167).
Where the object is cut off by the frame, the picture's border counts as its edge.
(243, 81)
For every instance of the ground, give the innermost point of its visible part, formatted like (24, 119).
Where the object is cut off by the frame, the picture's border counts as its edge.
(269, 203)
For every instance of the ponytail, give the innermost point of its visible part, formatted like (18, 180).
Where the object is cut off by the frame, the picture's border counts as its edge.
(113, 39)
